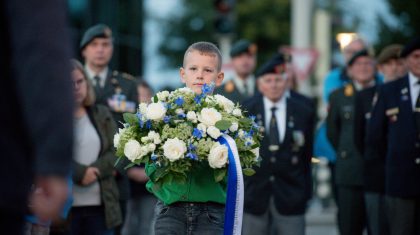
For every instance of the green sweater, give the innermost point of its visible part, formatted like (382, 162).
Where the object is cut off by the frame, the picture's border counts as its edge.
(199, 187)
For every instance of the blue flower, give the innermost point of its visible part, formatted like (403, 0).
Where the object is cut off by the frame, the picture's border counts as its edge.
(182, 115)
(192, 147)
(167, 105)
(141, 123)
(247, 143)
(153, 157)
(252, 117)
(192, 156)
(179, 101)
(197, 133)
(207, 89)
(197, 99)
(149, 124)
(167, 119)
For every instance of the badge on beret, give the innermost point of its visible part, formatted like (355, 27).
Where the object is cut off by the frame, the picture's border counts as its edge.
(252, 49)
(229, 87)
(107, 32)
(348, 91)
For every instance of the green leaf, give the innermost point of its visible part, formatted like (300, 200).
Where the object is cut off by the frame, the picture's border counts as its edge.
(117, 161)
(155, 99)
(130, 118)
(129, 165)
(219, 174)
(248, 171)
(223, 125)
(245, 122)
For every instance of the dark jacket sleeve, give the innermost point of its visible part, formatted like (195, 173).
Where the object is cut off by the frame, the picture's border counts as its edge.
(333, 120)
(40, 65)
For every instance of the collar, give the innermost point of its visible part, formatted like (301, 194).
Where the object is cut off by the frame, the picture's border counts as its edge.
(268, 104)
(412, 79)
(92, 74)
(359, 86)
(250, 81)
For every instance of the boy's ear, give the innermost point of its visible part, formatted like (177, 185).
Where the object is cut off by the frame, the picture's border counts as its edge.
(219, 79)
(182, 74)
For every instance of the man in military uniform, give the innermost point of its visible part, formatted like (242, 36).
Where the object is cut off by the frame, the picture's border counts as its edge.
(241, 86)
(349, 177)
(115, 89)
(395, 126)
(277, 195)
(390, 65)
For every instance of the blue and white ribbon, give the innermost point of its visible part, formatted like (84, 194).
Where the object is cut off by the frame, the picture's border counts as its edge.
(235, 189)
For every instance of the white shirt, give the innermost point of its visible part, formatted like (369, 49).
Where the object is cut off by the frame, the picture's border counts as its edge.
(101, 75)
(250, 84)
(414, 88)
(280, 114)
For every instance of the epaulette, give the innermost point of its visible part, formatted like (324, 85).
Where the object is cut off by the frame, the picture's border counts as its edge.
(127, 76)
(348, 90)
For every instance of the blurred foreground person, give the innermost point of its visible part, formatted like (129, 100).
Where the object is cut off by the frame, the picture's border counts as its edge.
(36, 133)
(395, 126)
(96, 208)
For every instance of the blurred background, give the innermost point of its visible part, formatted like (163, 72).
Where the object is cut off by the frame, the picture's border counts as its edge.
(152, 35)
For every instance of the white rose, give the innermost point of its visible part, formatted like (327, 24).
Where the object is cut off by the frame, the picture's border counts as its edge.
(179, 111)
(162, 95)
(151, 147)
(227, 104)
(218, 155)
(116, 140)
(237, 112)
(256, 152)
(155, 111)
(234, 127)
(241, 133)
(213, 132)
(143, 108)
(192, 116)
(174, 149)
(209, 116)
(132, 150)
(144, 139)
(202, 128)
(155, 137)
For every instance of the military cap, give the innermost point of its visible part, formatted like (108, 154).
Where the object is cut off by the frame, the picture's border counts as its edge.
(358, 54)
(243, 46)
(389, 52)
(96, 31)
(273, 65)
(410, 47)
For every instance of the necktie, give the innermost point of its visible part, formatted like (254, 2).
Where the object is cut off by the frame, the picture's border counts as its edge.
(417, 112)
(274, 131)
(246, 88)
(98, 87)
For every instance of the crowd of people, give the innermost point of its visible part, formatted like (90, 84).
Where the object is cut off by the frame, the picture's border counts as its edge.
(371, 137)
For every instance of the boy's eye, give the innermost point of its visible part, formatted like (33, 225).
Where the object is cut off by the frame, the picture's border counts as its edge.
(193, 69)
(208, 70)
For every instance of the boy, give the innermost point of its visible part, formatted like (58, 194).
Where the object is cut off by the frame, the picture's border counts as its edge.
(195, 207)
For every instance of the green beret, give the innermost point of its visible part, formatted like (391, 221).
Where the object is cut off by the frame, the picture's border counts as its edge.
(389, 52)
(243, 46)
(410, 47)
(358, 54)
(271, 66)
(96, 31)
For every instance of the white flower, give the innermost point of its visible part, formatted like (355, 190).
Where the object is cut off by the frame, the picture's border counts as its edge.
(132, 150)
(209, 116)
(179, 111)
(174, 149)
(185, 90)
(241, 134)
(155, 111)
(213, 132)
(234, 127)
(218, 155)
(116, 140)
(144, 139)
(143, 108)
(202, 128)
(162, 95)
(227, 104)
(153, 136)
(192, 116)
(151, 147)
(256, 152)
(237, 112)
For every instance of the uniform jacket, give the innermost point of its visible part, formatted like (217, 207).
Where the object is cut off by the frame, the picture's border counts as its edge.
(340, 132)
(230, 91)
(285, 175)
(35, 97)
(392, 125)
(374, 161)
(104, 124)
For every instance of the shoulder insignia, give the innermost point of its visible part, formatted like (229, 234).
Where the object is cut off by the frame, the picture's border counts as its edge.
(375, 99)
(229, 87)
(348, 90)
(128, 76)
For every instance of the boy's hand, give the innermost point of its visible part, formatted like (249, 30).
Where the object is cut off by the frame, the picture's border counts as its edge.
(91, 175)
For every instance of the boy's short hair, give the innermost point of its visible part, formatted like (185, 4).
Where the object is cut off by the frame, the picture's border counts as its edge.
(205, 48)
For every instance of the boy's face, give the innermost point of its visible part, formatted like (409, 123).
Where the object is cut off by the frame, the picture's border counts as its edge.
(200, 69)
